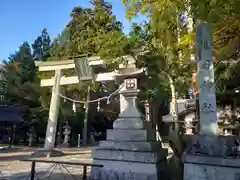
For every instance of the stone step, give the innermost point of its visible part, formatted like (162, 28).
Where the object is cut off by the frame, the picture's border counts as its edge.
(130, 135)
(131, 156)
(130, 146)
(124, 166)
(131, 123)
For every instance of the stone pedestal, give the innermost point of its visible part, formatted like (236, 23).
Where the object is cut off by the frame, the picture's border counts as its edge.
(199, 167)
(212, 158)
(130, 151)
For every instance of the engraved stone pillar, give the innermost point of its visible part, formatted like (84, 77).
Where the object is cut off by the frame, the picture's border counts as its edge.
(130, 151)
(208, 126)
(208, 158)
(206, 86)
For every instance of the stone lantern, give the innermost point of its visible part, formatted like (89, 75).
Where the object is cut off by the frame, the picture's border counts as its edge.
(131, 150)
(66, 132)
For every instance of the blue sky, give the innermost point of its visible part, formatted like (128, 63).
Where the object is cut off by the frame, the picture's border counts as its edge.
(23, 20)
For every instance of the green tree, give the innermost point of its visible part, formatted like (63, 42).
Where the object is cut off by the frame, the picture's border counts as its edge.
(41, 46)
(23, 85)
(167, 54)
(89, 29)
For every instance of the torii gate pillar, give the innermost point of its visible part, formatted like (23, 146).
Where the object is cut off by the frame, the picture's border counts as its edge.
(53, 113)
(52, 121)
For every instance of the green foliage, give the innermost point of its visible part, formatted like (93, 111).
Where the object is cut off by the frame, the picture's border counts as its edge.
(161, 46)
(41, 46)
(23, 85)
(168, 56)
(89, 28)
(91, 31)
(222, 15)
(155, 84)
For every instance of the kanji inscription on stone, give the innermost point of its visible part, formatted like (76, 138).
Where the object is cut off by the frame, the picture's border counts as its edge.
(205, 64)
(205, 79)
(207, 108)
(207, 84)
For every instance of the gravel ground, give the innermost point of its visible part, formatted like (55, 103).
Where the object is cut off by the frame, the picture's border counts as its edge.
(12, 168)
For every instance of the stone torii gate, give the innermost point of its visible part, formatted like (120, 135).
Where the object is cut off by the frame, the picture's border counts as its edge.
(85, 70)
(59, 80)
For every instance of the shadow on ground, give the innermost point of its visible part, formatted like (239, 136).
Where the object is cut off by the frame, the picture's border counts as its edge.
(17, 149)
(43, 176)
(14, 158)
(22, 157)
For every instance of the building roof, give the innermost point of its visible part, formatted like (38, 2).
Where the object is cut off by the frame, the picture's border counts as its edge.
(9, 114)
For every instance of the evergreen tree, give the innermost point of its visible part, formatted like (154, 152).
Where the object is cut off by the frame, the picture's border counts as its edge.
(41, 46)
(88, 28)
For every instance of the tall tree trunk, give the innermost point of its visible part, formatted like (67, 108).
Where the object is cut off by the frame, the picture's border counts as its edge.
(175, 137)
(174, 107)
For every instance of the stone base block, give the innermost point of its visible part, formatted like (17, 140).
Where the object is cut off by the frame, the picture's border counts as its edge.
(131, 123)
(120, 170)
(47, 153)
(116, 175)
(144, 157)
(213, 145)
(131, 146)
(208, 167)
(130, 135)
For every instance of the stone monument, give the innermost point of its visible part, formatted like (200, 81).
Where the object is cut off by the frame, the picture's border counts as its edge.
(131, 150)
(210, 156)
